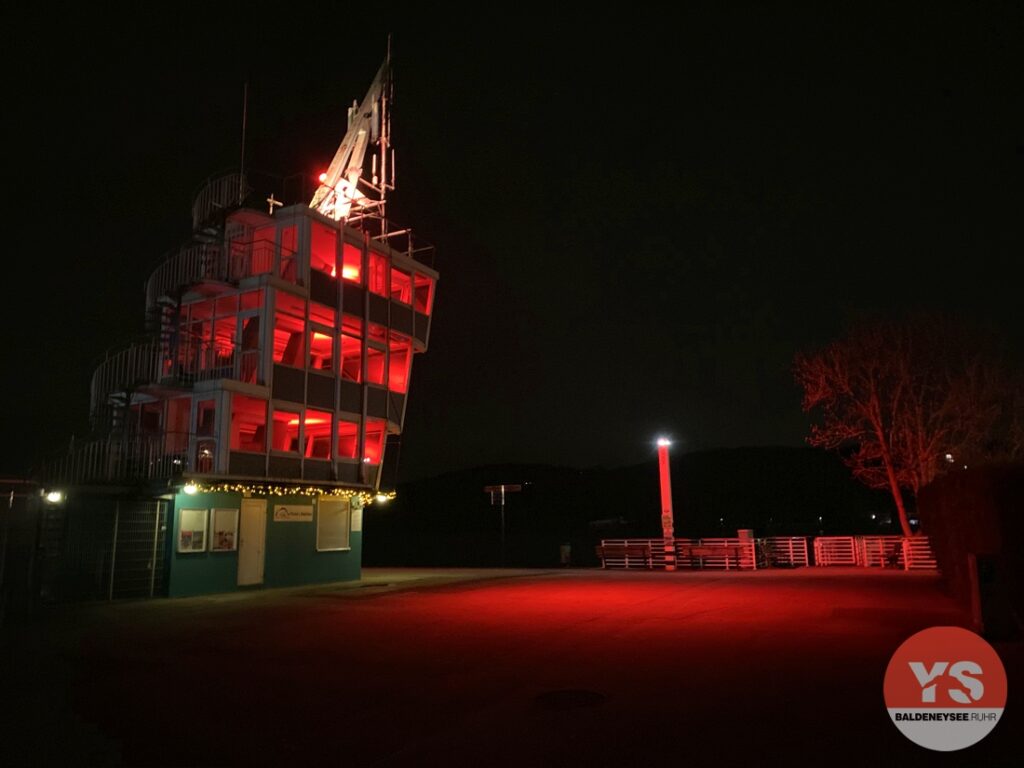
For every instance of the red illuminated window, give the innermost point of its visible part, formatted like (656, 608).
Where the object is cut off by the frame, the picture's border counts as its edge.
(263, 250)
(423, 290)
(318, 435)
(284, 434)
(351, 357)
(199, 333)
(205, 427)
(321, 351)
(250, 359)
(378, 274)
(289, 247)
(248, 423)
(205, 412)
(374, 440)
(219, 357)
(323, 244)
(376, 365)
(150, 417)
(352, 263)
(401, 286)
(205, 450)
(208, 338)
(289, 331)
(178, 413)
(398, 366)
(348, 439)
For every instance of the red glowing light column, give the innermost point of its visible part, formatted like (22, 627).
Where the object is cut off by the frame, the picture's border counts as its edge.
(667, 531)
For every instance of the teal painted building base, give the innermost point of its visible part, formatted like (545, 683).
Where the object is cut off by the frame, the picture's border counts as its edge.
(290, 554)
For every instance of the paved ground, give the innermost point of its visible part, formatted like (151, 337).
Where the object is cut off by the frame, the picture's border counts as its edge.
(487, 668)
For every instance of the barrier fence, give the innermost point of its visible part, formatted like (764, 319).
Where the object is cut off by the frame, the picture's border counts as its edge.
(835, 550)
(785, 551)
(913, 553)
(725, 553)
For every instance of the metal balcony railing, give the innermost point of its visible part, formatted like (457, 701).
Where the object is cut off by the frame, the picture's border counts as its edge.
(192, 264)
(121, 460)
(208, 261)
(218, 194)
(122, 371)
(204, 361)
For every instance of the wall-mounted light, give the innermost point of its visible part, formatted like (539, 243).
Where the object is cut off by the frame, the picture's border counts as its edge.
(54, 497)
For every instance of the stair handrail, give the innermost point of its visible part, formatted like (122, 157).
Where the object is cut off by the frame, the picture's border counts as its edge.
(189, 265)
(126, 368)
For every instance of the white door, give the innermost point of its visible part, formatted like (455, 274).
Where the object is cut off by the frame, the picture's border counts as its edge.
(251, 540)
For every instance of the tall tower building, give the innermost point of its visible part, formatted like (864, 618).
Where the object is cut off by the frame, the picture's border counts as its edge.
(248, 429)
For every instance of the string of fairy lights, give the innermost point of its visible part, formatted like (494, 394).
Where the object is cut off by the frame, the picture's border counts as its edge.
(312, 491)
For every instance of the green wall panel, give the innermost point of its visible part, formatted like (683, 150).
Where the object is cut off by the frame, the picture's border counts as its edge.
(291, 558)
(200, 573)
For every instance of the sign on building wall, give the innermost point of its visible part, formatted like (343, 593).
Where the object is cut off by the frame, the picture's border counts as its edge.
(293, 513)
(192, 530)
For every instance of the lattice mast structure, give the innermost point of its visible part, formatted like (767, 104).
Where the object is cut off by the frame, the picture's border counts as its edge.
(346, 192)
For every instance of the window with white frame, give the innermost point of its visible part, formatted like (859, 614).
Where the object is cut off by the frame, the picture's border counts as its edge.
(333, 524)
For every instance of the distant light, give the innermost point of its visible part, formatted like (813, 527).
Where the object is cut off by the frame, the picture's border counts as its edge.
(323, 177)
(55, 497)
(190, 488)
(819, 518)
(664, 441)
(382, 498)
(949, 457)
(872, 516)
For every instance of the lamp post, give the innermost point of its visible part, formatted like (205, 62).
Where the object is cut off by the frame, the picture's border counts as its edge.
(667, 531)
(498, 494)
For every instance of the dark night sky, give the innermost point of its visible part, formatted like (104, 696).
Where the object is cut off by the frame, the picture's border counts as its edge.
(638, 220)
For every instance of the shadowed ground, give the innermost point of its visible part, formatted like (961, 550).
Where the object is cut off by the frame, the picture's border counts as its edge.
(418, 667)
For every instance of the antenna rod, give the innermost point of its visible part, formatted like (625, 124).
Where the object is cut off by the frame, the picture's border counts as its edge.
(241, 164)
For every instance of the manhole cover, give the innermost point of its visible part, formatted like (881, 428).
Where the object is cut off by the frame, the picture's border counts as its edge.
(569, 699)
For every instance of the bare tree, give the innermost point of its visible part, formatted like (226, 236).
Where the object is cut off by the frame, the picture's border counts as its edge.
(906, 401)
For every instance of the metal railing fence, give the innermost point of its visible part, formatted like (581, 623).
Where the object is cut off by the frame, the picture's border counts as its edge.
(101, 549)
(120, 460)
(908, 553)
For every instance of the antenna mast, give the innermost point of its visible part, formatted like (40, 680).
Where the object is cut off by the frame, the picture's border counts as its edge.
(241, 163)
(346, 190)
